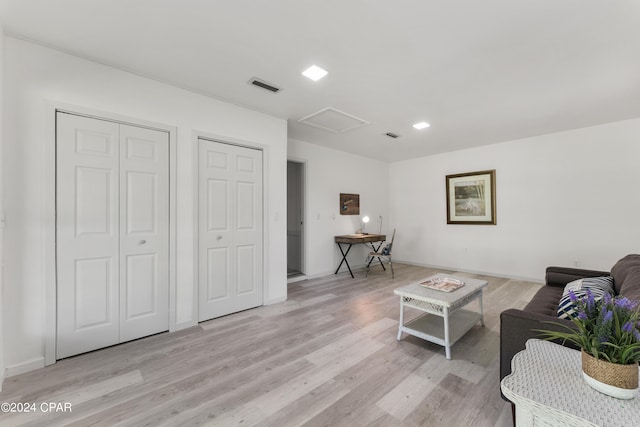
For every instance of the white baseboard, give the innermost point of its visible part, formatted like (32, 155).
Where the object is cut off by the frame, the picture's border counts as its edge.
(184, 325)
(343, 270)
(437, 267)
(297, 278)
(275, 300)
(464, 270)
(21, 368)
(315, 276)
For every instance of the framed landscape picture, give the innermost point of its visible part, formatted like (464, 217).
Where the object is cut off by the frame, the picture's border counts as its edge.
(471, 198)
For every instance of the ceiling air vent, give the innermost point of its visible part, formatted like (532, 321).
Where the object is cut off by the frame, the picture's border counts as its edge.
(392, 135)
(264, 85)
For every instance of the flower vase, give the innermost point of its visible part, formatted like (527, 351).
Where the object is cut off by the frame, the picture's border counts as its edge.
(619, 381)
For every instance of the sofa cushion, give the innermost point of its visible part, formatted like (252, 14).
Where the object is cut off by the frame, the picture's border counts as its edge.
(560, 276)
(545, 301)
(631, 285)
(598, 286)
(622, 269)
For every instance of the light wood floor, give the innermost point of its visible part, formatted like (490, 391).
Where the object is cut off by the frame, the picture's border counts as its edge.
(326, 357)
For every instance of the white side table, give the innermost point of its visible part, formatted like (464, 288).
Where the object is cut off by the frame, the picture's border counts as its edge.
(548, 390)
(445, 322)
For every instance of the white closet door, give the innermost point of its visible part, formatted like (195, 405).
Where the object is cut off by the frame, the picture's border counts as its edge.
(112, 233)
(144, 232)
(230, 229)
(87, 234)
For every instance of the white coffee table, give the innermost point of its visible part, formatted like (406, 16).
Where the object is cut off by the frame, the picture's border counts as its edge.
(445, 321)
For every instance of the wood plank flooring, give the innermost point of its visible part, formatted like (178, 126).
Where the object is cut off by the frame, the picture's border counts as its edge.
(326, 357)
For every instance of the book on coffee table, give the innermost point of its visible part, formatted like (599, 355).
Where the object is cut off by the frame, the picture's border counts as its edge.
(444, 284)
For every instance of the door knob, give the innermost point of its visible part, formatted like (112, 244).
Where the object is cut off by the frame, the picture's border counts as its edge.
(219, 238)
(142, 242)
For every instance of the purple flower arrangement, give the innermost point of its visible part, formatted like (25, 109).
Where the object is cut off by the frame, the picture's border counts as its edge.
(608, 328)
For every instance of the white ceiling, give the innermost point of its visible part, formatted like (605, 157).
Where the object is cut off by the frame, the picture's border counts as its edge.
(479, 72)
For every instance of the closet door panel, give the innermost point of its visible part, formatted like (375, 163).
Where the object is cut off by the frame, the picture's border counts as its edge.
(87, 235)
(144, 232)
(230, 236)
(112, 233)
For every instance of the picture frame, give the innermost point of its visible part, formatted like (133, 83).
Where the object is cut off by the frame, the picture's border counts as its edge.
(471, 198)
(349, 204)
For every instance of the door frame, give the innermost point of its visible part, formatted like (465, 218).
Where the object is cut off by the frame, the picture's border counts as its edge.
(195, 136)
(305, 218)
(48, 186)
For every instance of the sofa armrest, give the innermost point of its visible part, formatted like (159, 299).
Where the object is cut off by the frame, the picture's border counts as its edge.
(560, 276)
(516, 327)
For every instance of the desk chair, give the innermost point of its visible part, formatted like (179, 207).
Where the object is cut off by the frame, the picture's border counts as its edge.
(383, 254)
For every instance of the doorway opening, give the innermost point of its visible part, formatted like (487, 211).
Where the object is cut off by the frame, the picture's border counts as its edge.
(295, 220)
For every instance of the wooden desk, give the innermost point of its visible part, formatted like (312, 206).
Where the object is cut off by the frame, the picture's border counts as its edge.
(354, 239)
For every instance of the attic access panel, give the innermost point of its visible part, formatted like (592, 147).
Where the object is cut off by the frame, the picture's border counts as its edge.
(333, 120)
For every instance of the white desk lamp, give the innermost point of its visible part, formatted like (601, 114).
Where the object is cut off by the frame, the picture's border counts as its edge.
(365, 220)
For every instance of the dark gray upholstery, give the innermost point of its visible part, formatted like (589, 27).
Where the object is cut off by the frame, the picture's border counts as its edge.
(517, 326)
(560, 276)
(545, 301)
(626, 277)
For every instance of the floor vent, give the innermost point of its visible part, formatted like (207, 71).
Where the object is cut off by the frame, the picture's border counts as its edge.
(264, 85)
(392, 135)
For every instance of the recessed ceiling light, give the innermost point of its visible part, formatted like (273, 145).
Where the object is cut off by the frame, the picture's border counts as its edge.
(421, 125)
(315, 73)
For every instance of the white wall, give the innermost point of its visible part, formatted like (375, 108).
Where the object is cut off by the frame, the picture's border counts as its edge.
(561, 198)
(1, 213)
(34, 74)
(330, 172)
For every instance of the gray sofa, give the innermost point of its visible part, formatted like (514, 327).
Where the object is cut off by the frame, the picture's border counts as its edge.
(517, 326)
